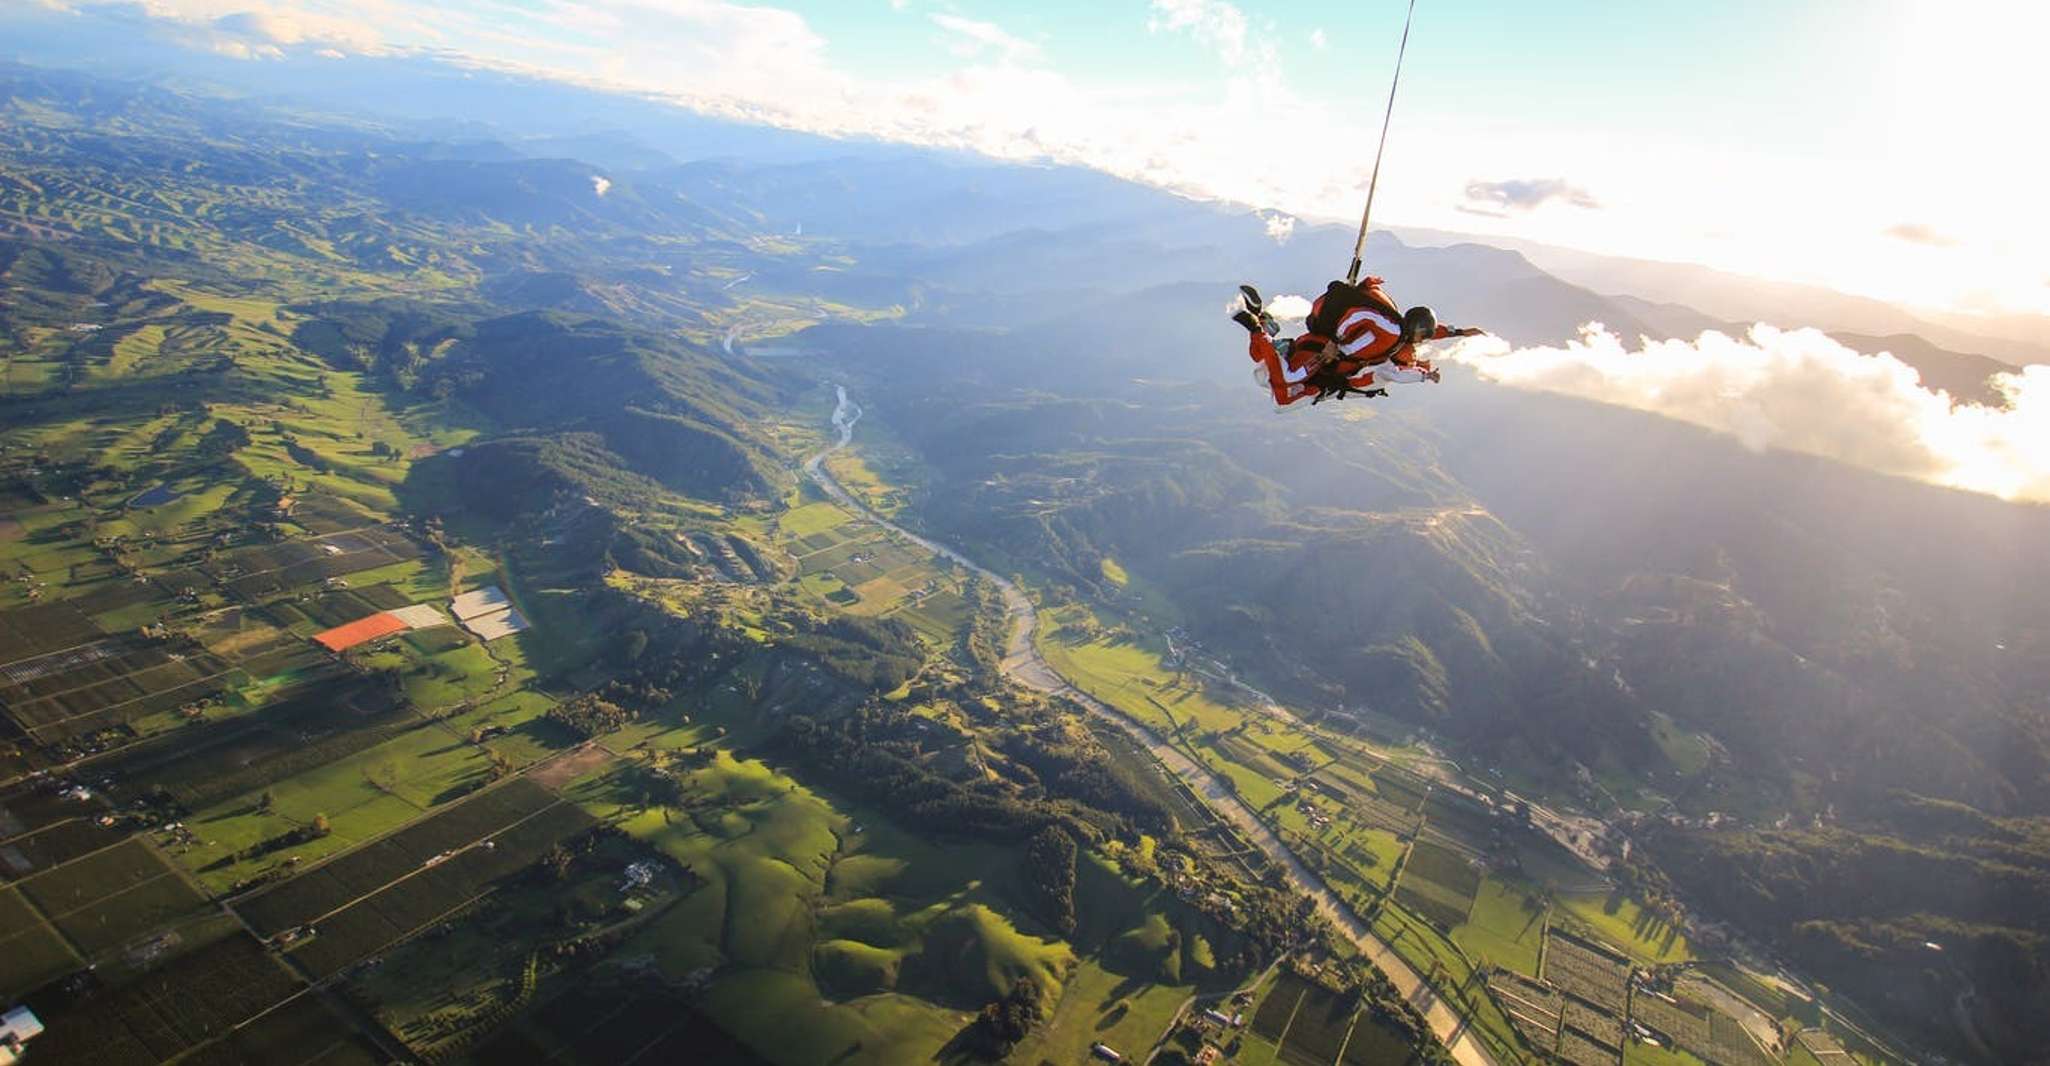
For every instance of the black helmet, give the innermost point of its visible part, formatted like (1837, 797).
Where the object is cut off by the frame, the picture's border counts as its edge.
(1418, 323)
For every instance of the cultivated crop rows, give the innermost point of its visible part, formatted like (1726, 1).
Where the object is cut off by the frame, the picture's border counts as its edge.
(1532, 1007)
(56, 697)
(1730, 1045)
(1275, 1010)
(367, 869)
(1685, 1024)
(27, 632)
(1579, 1050)
(368, 925)
(1320, 1027)
(1599, 1024)
(47, 847)
(1439, 884)
(1381, 814)
(1444, 867)
(1581, 971)
(196, 998)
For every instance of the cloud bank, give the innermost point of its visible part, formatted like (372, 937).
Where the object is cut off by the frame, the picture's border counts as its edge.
(1800, 391)
(1917, 233)
(1524, 194)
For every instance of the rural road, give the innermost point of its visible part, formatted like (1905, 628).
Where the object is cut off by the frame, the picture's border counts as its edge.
(1023, 662)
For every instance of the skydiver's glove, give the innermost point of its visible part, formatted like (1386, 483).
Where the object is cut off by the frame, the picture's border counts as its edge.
(1431, 376)
(1470, 331)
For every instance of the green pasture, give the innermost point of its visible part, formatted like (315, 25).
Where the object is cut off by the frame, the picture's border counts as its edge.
(834, 933)
(364, 795)
(811, 518)
(1502, 929)
(1637, 1054)
(1424, 948)
(1625, 924)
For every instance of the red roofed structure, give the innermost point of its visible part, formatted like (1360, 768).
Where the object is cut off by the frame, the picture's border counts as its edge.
(341, 638)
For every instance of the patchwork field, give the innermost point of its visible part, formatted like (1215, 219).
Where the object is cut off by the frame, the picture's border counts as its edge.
(197, 997)
(1504, 927)
(103, 900)
(1590, 973)
(1439, 884)
(368, 899)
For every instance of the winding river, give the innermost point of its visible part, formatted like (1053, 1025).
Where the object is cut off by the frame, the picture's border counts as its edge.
(1024, 664)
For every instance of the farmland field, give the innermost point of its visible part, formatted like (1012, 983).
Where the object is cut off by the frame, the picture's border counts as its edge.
(50, 846)
(303, 1032)
(1578, 1050)
(1438, 884)
(1586, 972)
(195, 998)
(1322, 1022)
(1533, 1008)
(1639, 1054)
(1625, 924)
(1503, 927)
(1682, 1022)
(368, 869)
(365, 924)
(31, 952)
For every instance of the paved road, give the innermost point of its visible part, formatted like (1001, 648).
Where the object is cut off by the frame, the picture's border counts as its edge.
(1023, 663)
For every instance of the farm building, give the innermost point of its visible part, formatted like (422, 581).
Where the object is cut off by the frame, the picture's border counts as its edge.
(487, 600)
(382, 624)
(497, 624)
(17, 1028)
(488, 613)
(420, 616)
(360, 631)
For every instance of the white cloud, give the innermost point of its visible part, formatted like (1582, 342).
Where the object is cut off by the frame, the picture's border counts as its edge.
(288, 26)
(1524, 194)
(1798, 390)
(1213, 23)
(1917, 233)
(1317, 39)
(1279, 226)
(600, 184)
(973, 38)
(1289, 308)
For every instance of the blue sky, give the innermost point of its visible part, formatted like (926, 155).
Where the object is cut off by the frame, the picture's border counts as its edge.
(1879, 146)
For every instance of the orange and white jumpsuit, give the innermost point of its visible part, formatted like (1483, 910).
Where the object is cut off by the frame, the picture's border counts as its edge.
(1371, 353)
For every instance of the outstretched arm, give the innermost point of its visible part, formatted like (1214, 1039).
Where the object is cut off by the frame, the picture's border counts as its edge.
(1446, 332)
(1398, 374)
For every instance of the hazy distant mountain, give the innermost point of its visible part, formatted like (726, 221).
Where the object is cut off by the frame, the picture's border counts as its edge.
(1732, 297)
(1964, 376)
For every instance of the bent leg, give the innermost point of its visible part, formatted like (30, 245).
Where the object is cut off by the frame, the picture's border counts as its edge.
(1271, 371)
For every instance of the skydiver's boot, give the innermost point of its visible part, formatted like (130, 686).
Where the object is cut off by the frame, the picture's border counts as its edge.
(1250, 296)
(1248, 320)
